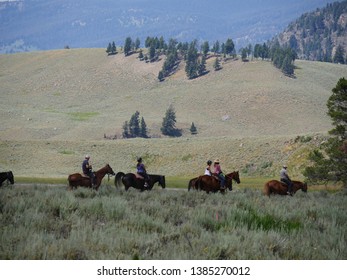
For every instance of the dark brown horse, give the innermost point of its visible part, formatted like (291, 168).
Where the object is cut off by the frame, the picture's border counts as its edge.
(132, 180)
(277, 187)
(6, 176)
(212, 184)
(78, 179)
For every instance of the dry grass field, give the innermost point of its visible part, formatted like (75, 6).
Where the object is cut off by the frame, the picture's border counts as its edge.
(57, 105)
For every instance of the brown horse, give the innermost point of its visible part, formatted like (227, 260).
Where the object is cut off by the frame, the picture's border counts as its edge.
(277, 187)
(212, 184)
(77, 179)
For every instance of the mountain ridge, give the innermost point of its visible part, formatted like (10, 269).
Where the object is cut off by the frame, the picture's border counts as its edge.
(43, 25)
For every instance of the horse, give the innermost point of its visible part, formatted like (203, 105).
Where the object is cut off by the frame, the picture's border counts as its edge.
(6, 176)
(133, 180)
(212, 184)
(277, 187)
(78, 179)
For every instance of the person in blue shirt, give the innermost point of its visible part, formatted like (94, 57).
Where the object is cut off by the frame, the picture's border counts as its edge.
(141, 170)
(87, 169)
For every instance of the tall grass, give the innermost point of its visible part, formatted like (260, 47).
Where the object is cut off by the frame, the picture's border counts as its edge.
(53, 223)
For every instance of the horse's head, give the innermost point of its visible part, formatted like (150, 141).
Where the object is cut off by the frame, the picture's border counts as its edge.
(109, 170)
(235, 175)
(10, 177)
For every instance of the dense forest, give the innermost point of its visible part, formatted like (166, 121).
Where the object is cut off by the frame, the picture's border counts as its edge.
(320, 35)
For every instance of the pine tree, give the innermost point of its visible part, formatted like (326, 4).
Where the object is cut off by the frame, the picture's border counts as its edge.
(205, 48)
(287, 66)
(192, 61)
(152, 52)
(109, 49)
(113, 48)
(161, 76)
(216, 64)
(134, 125)
(127, 46)
(169, 122)
(143, 128)
(229, 47)
(202, 66)
(193, 129)
(331, 163)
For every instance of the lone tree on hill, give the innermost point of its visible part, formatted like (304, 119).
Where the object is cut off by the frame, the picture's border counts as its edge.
(330, 163)
(169, 123)
(193, 129)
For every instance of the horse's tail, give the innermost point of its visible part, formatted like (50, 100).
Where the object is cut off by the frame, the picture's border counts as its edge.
(190, 184)
(118, 179)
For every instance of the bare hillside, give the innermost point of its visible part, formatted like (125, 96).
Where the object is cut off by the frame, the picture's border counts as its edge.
(82, 94)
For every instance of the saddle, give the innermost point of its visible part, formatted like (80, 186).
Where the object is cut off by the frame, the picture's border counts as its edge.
(138, 176)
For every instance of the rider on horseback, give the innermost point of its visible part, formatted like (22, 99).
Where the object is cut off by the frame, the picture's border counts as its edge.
(141, 170)
(285, 179)
(219, 173)
(87, 169)
(208, 168)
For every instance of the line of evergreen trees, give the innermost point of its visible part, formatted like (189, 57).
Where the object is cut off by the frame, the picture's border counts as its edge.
(175, 52)
(195, 56)
(137, 127)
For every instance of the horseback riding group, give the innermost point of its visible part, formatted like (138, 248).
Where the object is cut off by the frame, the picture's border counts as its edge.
(212, 181)
(140, 180)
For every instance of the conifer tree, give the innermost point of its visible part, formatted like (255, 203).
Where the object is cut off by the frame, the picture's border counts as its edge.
(134, 125)
(143, 129)
(330, 162)
(127, 46)
(192, 61)
(109, 49)
(202, 66)
(193, 129)
(216, 64)
(229, 47)
(161, 76)
(169, 122)
(113, 48)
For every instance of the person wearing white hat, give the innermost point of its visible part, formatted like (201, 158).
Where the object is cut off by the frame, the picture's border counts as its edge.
(87, 168)
(284, 177)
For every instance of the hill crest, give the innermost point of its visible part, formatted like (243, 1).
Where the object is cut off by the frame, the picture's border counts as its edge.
(84, 94)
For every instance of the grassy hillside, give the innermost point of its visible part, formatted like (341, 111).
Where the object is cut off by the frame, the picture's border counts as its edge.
(57, 105)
